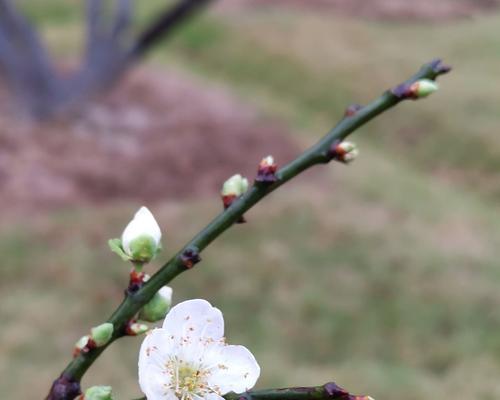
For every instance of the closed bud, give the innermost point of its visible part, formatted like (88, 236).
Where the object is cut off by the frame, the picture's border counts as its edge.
(135, 329)
(267, 161)
(99, 393)
(82, 345)
(423, 88)
(345, 152)
(82, 342)
(102, 334)
(141, 238)
(267, 170)
(158, 306)
(235, 186)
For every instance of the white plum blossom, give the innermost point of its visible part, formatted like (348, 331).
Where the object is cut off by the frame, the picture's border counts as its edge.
(188, 359)
(141, 238)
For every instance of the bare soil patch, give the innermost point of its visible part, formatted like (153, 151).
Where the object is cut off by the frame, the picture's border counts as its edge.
(385, 9)
(157, 136)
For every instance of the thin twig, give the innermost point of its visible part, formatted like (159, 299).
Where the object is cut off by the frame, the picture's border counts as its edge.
(320, 153)
(329, 391)
(166, 22)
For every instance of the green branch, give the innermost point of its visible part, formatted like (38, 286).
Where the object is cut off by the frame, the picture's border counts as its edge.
(320, 153)
(329, 391)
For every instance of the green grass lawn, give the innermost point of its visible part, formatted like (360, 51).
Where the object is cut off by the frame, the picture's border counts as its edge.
(382, 276)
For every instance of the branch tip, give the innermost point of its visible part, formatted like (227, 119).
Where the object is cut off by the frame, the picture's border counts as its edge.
(439, 67)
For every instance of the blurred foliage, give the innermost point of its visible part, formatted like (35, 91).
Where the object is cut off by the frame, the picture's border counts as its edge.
(383, 276)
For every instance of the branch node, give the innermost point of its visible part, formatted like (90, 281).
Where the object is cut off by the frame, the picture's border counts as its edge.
(137, 279)
(334, 391)
(352, 110)
(64, 388)
(190, 257)
(227, 201)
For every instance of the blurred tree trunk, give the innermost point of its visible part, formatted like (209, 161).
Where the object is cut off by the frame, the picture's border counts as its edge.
(111, 48)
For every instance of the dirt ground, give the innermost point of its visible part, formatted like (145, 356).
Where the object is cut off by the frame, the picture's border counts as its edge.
(384, 9)
(159, 135)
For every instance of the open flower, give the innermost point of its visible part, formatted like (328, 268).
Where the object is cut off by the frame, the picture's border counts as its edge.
(141, 238)
(188, 358)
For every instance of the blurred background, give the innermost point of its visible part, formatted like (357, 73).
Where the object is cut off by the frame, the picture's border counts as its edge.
(382, 276)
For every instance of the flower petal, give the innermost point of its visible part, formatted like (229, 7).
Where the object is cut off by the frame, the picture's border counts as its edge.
(143, 223)
(156, 350)
(195, 319)
(213, 396)
(233, 369)
(155, 387)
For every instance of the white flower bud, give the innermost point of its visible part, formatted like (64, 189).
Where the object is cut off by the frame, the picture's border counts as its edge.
(346, 147)
(235, 186)
(158, 306)
(346, 152)
(141, 238)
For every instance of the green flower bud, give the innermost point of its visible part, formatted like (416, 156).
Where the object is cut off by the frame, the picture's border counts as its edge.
(235, 186)
(101, 334)
(158, 307)
(143, 249)
(424, 88)
(99, 393)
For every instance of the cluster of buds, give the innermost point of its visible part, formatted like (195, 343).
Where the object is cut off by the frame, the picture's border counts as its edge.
(140, 241)
(158, 306)
(99, 336)
(97, 393)
(267, 171)
(417, 90)
(345, 152)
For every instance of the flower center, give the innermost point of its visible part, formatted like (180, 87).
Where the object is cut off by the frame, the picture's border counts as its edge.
(187, 380)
